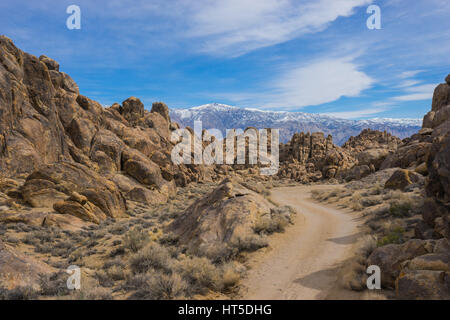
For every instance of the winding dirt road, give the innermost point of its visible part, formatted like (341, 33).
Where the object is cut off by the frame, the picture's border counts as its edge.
(303, 262)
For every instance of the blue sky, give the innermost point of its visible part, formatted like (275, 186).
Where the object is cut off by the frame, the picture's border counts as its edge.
(312, 56)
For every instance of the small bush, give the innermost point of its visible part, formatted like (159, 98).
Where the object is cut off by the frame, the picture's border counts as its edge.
(395, 236)
(136, 239)
(19, 293)
(152, 256)
(200, 273)
(54, 284)
(250, 243)
(160, 286)
(400, 209)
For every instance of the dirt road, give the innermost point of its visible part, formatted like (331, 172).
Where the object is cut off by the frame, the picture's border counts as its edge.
(302, 262)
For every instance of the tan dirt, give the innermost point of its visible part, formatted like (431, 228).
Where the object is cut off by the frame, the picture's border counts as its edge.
(303, 262)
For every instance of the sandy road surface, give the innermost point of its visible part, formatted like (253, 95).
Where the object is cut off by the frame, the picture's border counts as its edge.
(302, 262)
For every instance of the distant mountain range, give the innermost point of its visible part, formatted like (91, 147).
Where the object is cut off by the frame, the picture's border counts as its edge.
(224, 117)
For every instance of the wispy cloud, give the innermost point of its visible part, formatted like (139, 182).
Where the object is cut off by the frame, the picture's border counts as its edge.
(415, 93)
(235, 27)
(308, 84)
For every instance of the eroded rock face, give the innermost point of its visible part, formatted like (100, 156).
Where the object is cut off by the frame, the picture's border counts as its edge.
(46, 124)
(311, 157)
(58, 181)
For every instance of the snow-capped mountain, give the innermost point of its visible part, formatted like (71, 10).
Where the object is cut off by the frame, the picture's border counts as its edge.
(224, 117)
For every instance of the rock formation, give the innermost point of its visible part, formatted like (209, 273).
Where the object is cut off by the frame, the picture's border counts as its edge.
(76, 156)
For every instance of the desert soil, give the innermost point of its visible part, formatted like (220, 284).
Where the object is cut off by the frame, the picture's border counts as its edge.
(304, 261)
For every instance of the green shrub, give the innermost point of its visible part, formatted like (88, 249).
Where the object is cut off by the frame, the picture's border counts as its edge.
(400, 209)
(394, 236)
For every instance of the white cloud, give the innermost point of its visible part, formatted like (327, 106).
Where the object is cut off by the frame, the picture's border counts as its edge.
(409, 74)
(235, 27)
(317, 83)
(416, 93)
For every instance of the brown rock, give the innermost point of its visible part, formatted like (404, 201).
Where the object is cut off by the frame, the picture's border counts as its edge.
(222, 218)
(162, 109)
(65, 178)
(132, 109)
(390, 257)
(401, 179)
(423, 284)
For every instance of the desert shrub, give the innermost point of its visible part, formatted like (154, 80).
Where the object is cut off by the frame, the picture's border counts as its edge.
(200, 273)
(394, 236)
(269, 225)
(35, 237)
(92, 293)
(118, 228)
(116, 273)
(219, 253)
(120, 251)
(161, 286)
(356, 204)
(250, 243)
(317, 194)
(54, 284)
(368, 244)
(136, 239)
(230, 275)
(152, 256)
(19, 293)
(400, 209)
(104, 279)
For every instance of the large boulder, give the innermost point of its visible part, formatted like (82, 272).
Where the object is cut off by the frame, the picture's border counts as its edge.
(402, 178)
(57, 182)
(423, 285)
(390, 258)
(222, 218)
(132, 110)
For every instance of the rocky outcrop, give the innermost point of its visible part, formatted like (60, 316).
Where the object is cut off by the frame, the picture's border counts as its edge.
(311, 157)
(222, 219)
(419, 268)
(401, 179)
(372, 147)
(63, 142)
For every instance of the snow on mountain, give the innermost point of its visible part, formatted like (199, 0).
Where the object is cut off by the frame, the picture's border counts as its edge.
(224, 117)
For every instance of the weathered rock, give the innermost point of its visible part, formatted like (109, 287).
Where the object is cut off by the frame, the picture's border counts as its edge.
(222, 218)
(162, 109)
(430, 261)
(423, 284)
(142, 169)
(390, 257)
(132, 110)
(403, 178)
(64, 178)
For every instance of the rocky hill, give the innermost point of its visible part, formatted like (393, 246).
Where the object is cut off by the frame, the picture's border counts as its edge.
(63, 151)
(224, 117)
